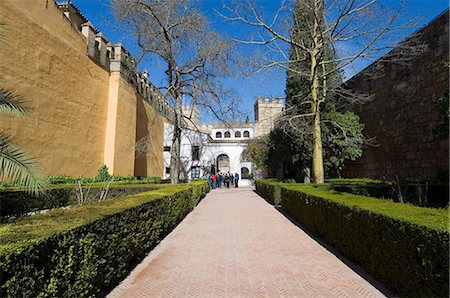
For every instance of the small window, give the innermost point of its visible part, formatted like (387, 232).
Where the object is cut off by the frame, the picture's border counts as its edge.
(227, 134)
(166, 148)
(246, 134)
(195, 152)
(237, 134)
(195, 172)
(167, 170)
(218, 135)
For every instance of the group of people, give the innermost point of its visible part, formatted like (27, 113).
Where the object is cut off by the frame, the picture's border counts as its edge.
(219, 180)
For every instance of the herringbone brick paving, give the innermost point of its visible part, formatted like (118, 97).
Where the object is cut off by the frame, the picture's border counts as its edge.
(234, 244)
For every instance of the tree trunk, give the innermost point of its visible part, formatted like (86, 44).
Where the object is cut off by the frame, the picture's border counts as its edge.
(176, 143)
(317, 161)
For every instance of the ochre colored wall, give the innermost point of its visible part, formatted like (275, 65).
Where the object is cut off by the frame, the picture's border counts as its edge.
(44, 60)
(150, 127)
(121, 126)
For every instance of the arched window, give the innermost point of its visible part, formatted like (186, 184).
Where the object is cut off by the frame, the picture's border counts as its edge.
(227, 134)
(218, 135)
(237, 134)
(245, 173)
(246, 134)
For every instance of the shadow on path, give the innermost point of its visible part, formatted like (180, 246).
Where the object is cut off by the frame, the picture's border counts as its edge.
(354, 266)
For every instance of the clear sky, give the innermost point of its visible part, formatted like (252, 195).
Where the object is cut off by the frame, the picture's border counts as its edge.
(248, 88)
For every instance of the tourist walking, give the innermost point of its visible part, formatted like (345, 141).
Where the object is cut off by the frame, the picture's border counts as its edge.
(214, 181)
(220, 179)
(236, 180)
(227, 180)
(210, 180)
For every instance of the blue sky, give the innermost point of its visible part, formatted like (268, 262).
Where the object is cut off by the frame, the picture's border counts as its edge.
(248, 88)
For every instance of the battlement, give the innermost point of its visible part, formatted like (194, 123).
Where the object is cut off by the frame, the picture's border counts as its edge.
(268, 107)
(278, 101)
(115, 58)
(192, 112)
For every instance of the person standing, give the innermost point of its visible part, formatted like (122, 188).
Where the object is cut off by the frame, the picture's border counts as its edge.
(214, 181)
(236, 180)
(220, 179)
(231, 179)
(227, 180)
(210, 180)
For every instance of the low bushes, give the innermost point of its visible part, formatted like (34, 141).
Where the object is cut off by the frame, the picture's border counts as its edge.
(404, 246)
(87, 250)
(16, 202)
(419, 194)
(84, 180)
(270, 190)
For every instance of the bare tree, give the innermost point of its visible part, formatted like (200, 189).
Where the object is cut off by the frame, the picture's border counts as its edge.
(175, 32)
(334, 34)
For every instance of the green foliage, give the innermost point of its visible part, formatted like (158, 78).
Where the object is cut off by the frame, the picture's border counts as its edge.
(404, 246)
(270, 190)
(342, 136)
(12, 103)
(347, 181)
(16, 166)
(344, 139)
(16, 202)
(257, 151)
(420, 194)
(442, 106)
(85, 251)
(129, 179)
(103, 174)
(67, 179)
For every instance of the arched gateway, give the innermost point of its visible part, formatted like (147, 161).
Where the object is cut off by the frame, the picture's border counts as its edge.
(223, 163)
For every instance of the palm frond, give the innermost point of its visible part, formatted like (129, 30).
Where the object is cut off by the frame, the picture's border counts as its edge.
(17, 167)
(11, 103)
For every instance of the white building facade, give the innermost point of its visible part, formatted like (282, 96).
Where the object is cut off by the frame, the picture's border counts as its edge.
(219, 148)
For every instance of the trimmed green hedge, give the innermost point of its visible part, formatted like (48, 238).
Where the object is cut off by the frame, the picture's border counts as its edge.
(16, 202)
(404, 246)
(270, 190)
(85, 251)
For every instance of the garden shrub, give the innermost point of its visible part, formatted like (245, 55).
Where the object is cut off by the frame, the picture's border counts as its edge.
(103, 174)
(85, 251)
(270, 190)
(16, 202)
(84, 180)
(404, 246)
(420, 194)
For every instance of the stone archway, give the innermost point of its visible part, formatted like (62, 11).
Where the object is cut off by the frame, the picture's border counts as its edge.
(223, 163)
(245, 173)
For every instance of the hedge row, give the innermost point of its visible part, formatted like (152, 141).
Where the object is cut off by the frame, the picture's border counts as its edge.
(270, 190)
(15, 202)
(85, 251)
(404, 246)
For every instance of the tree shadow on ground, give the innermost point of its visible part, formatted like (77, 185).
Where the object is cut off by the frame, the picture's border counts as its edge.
(354, 266)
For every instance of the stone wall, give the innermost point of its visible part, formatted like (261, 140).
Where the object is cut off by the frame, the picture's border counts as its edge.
(401, 114)
(266, 110)
(86, 110)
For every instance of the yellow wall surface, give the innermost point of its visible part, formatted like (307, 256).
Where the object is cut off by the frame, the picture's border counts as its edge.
(121, 127)
(150, 137)
(44, 59)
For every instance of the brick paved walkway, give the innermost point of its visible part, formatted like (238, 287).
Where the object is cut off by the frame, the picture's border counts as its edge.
(235, 244)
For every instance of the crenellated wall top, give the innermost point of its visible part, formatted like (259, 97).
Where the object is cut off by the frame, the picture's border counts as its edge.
(116, 58)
